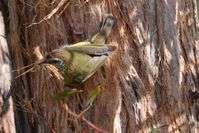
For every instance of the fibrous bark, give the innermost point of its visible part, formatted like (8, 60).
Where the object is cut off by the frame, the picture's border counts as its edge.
(146, 82)
(7, 124)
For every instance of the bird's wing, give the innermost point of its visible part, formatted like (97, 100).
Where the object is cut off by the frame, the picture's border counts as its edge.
(94, 64)
(90, 49)
(87, 43)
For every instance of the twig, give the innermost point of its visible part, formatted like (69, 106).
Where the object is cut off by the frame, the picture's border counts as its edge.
(25, 72)
(23, 67)
(31, 67)
(84, 3)
(64, 8)
(83, 119)
(84, 111)
(53, 12)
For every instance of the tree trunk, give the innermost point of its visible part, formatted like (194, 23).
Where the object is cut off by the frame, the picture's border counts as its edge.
(150, 83)
(7, 124)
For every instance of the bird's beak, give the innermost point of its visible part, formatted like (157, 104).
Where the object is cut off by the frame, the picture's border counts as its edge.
(45, 61)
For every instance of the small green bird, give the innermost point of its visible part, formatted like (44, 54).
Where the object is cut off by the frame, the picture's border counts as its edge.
(80, 61)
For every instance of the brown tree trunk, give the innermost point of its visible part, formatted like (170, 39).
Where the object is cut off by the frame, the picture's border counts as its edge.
(7, 124)
(147, 83)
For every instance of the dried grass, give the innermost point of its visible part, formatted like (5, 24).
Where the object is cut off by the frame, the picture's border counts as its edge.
(62, 5)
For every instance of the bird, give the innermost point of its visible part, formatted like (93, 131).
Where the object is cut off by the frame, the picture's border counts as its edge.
(78, 62)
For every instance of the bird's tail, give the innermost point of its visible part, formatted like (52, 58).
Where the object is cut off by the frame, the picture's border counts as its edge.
(107, 26)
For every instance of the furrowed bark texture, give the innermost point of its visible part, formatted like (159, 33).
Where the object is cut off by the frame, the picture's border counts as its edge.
(146, 82)
(7, 123)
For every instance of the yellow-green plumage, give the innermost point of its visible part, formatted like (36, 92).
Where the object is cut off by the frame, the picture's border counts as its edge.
(79, 61)
(81, 67)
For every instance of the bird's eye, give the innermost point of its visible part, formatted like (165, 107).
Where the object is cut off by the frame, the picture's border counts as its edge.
(56, 61)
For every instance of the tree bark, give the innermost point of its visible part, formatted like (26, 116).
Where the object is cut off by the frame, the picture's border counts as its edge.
(148, 83)
(7, 123)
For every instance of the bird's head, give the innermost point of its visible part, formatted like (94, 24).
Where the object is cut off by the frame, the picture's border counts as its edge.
(58, 57)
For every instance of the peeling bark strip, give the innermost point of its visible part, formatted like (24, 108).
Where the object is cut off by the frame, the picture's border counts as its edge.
(7, 124)
(147, 83)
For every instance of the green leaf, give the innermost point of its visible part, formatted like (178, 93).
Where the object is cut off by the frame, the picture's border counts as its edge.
(93, 95)
(67, 93)
(155, 130)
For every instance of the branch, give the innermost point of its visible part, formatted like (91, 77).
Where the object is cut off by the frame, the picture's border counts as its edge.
(83, 119)
(53, 12)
